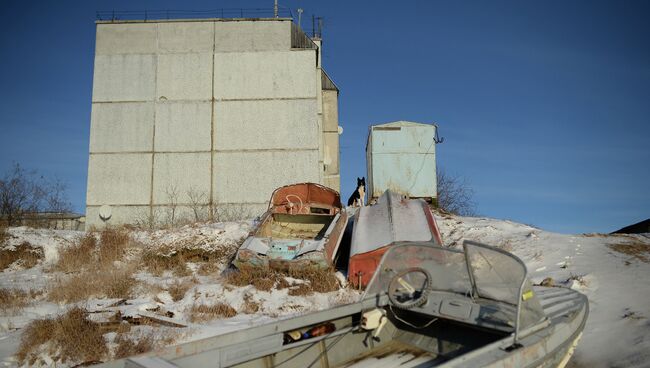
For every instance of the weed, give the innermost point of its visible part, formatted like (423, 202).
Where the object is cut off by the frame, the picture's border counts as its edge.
(250, 306)
(177, 289)
(321, 280)
(24, 255)
(127, 347)
(77, 256)
(72, 335)
(112, 283)
(12, 300)
(202, 312)
(301, 290)
(637, 250)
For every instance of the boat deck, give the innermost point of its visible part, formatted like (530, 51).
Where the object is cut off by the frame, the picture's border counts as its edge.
(394, 354)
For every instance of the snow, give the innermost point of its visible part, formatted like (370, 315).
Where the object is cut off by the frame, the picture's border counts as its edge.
(617, 331)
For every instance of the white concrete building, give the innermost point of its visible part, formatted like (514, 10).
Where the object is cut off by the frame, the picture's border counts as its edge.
(206, 117)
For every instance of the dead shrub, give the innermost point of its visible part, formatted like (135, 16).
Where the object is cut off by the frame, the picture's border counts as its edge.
(301, 290)
(321, 280)
(4, 235)
(96, 249)
(112, 283)
(157, 261)
(12, 300)
(127, 347)
(264, 284)
(24, 255)
(77, 256)
(72, 335)
(178, 289)
(250, 306)
(637, 250)
(112, 244)
(203, 312)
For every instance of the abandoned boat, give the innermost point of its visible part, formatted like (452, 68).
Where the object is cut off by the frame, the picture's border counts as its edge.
(394, 218)
(302, 227)
(426, 306)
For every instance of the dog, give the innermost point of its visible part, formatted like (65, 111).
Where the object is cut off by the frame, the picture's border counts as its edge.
(358, 196)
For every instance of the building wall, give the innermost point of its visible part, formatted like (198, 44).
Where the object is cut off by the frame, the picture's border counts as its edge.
(200, 115)
(401, 157)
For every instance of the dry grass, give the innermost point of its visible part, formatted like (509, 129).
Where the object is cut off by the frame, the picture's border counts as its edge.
(250, 306)
(637, 250)
(13, 300)
(111, 283)
(127, 347)
(301, 290)
(4, 235)
(202, 312)
(24, 255)
(178, 289)
(157, 261)
(71, 336)
(95, 250)
(318, 279)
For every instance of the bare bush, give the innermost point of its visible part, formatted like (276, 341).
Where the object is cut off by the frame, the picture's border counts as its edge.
(197, 200)
(23, 192)
(172, 194)
(230, 212)
(455, 194)
(72, 335)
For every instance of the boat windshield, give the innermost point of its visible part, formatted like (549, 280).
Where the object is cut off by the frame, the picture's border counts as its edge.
(478, 272)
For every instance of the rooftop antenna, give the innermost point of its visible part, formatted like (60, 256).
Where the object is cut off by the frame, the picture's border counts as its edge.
(275, 8)
(299, 16)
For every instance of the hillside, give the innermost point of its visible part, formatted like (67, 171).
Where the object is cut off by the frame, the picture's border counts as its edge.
(139, 289)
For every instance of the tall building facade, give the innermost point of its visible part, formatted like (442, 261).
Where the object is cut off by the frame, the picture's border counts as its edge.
(205, 118)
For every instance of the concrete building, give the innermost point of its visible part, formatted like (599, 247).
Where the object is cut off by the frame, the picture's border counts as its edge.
(198, 117)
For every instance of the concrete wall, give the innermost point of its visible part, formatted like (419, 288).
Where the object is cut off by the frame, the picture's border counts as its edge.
(206, 116)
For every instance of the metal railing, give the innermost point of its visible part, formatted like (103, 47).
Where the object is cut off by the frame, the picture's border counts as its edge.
(120, 15)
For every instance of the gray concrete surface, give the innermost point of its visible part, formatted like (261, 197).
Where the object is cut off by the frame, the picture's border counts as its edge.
(225, 109)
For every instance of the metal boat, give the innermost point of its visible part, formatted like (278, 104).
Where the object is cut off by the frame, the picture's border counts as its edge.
(426, 306)
(302, 227)
(394, 218)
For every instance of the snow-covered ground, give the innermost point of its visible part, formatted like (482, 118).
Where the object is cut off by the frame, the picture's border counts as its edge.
(617, 332)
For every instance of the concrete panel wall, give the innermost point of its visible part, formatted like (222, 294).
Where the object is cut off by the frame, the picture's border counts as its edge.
(252, 36)
(124, 78)
(330, 111)
(121, 127)
(183, 126)
(277, 74)
(224, 108)
(331, 154)
(185, 37)
(119, 179)
(134, 38)
(180, 173)
(265, 124)
(251, 177)
(119, 215)
(184, 77)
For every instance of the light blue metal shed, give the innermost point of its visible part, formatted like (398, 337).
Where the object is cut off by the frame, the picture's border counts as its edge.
(401, 156)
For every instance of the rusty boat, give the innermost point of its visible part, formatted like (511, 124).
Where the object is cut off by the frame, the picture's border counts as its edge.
(302, 227)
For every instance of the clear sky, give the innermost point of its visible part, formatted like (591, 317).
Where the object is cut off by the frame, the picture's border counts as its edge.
(544, 105)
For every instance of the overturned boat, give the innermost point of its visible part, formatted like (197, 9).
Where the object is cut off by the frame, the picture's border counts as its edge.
(426, 306)
(394, 218)
(302, 227)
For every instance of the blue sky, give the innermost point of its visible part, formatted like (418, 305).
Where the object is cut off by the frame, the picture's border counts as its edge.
(544, 105)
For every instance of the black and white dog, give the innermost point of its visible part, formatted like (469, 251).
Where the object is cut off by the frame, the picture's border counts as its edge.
(358, 196)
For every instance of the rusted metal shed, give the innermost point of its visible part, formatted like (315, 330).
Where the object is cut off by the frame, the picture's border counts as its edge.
(401, 157)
